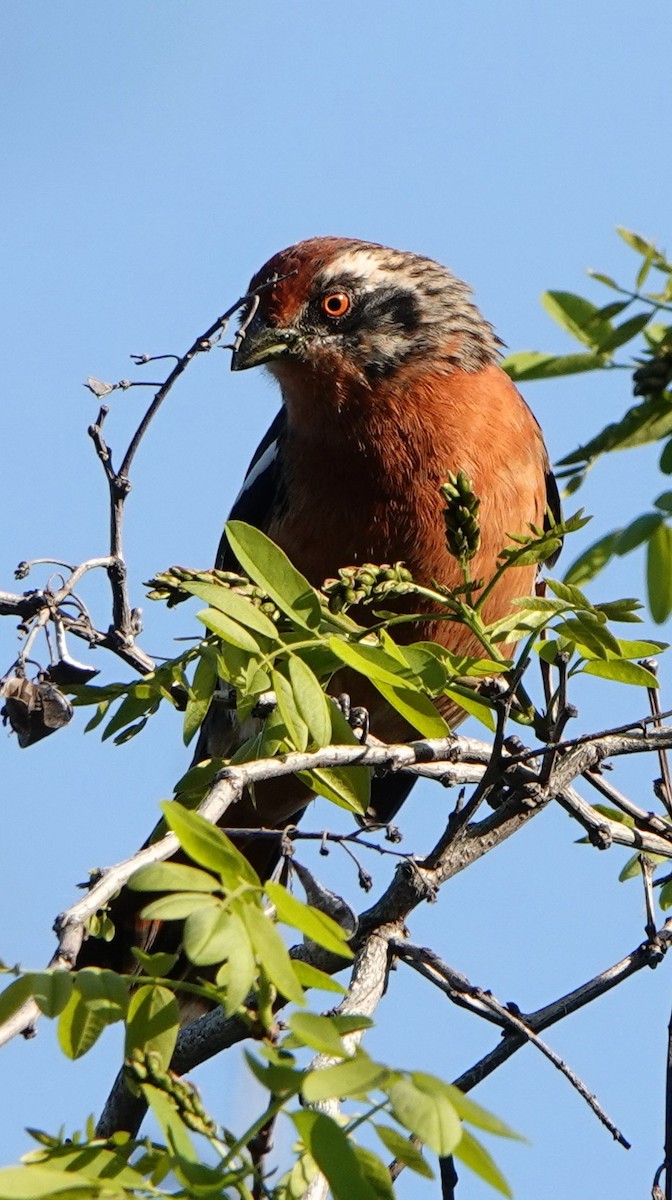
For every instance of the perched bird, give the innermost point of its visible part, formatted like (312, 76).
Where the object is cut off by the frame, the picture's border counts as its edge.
(390, 379)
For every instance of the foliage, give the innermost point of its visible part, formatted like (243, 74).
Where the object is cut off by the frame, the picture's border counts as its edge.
(274, 648)
(605, 331)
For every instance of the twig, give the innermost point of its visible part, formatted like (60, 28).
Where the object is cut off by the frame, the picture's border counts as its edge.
(668, 1115)
(665, 790)
(571, 743)
(38, 608)
(70, 926)
(603, 832)
(460, 991)
(367, 987)
(646, 867)
(648, 954)
(642, 818)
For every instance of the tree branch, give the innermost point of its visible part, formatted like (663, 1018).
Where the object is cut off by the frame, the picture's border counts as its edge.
(484, 1004)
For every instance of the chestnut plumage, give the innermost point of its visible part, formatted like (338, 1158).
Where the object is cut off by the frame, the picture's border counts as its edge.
(390, 379)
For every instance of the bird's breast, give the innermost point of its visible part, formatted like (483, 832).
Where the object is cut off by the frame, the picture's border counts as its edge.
(363, 481)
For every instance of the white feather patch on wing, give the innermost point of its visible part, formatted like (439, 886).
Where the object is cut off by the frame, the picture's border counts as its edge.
(262, 464)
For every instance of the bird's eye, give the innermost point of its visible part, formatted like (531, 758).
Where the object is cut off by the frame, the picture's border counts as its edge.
(336, 304)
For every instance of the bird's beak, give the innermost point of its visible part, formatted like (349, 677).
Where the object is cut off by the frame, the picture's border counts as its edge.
(261, 343)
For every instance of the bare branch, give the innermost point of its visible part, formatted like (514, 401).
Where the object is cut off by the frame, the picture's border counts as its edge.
(367, 987)
(648, 954)
(603, 832)
(483, 1003)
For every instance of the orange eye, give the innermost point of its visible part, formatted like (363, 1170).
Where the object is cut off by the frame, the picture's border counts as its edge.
(336, 304)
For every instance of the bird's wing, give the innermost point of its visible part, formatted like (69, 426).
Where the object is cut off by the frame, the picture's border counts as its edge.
(262, 491)
(554, 508)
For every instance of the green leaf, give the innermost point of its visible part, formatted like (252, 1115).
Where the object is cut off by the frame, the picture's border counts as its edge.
(316, 925)
(202, 687)
(131, 707)
(355, 1077)
(93, 1161)
(424, 1110)
(208, 846)
(477, 1159)
(631, 649)
(428, 666)
(665, 463)
(101, 712)
(104, 990)
(371, 661)
(646, 422)
(615, 814)
(311, 702)
(375, 1172)
(320, 1033)
(404, 1150)
(469, 1111)
(665, 896)
(14, 996)
(624, 333)
(633, 866)
(636, 532)
(576, 315)
(153, 1023)
(238, 607)
(348, 787)
(172, 877)
(229, 631)
(631, 870)
(659, 574)
(569, 593)
(664, 502)
(624, 610)
(271, 952)
(472, 703)
(36, 1182)
(528, 365)
(79, 1026)
(212, 935)
(636, 241)
(294, 723)
(590, 635)
(312, 977)
(351, 1022)
(416, 708)
(622, 670)
(170, 1123)
(237, 975)
(177, 906)
(52, 991)
(275, 1077)
(605, 279)
(270, 567)
(154, 964)
(608, 311)
(334, 1155)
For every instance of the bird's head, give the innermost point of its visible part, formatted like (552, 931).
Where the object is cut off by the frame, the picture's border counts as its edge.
(342, 306)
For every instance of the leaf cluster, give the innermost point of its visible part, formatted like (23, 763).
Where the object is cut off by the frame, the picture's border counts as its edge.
(229, 929)
(641, 321)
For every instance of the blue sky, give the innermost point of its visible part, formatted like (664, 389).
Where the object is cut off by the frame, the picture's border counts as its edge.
(155, 154)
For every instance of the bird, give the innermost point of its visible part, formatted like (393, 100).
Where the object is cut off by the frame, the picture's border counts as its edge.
(390, 379)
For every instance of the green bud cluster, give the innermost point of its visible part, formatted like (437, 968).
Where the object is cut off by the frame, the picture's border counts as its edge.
(463, 532)
(361, 585)
(146, 1068)
(168, 586)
